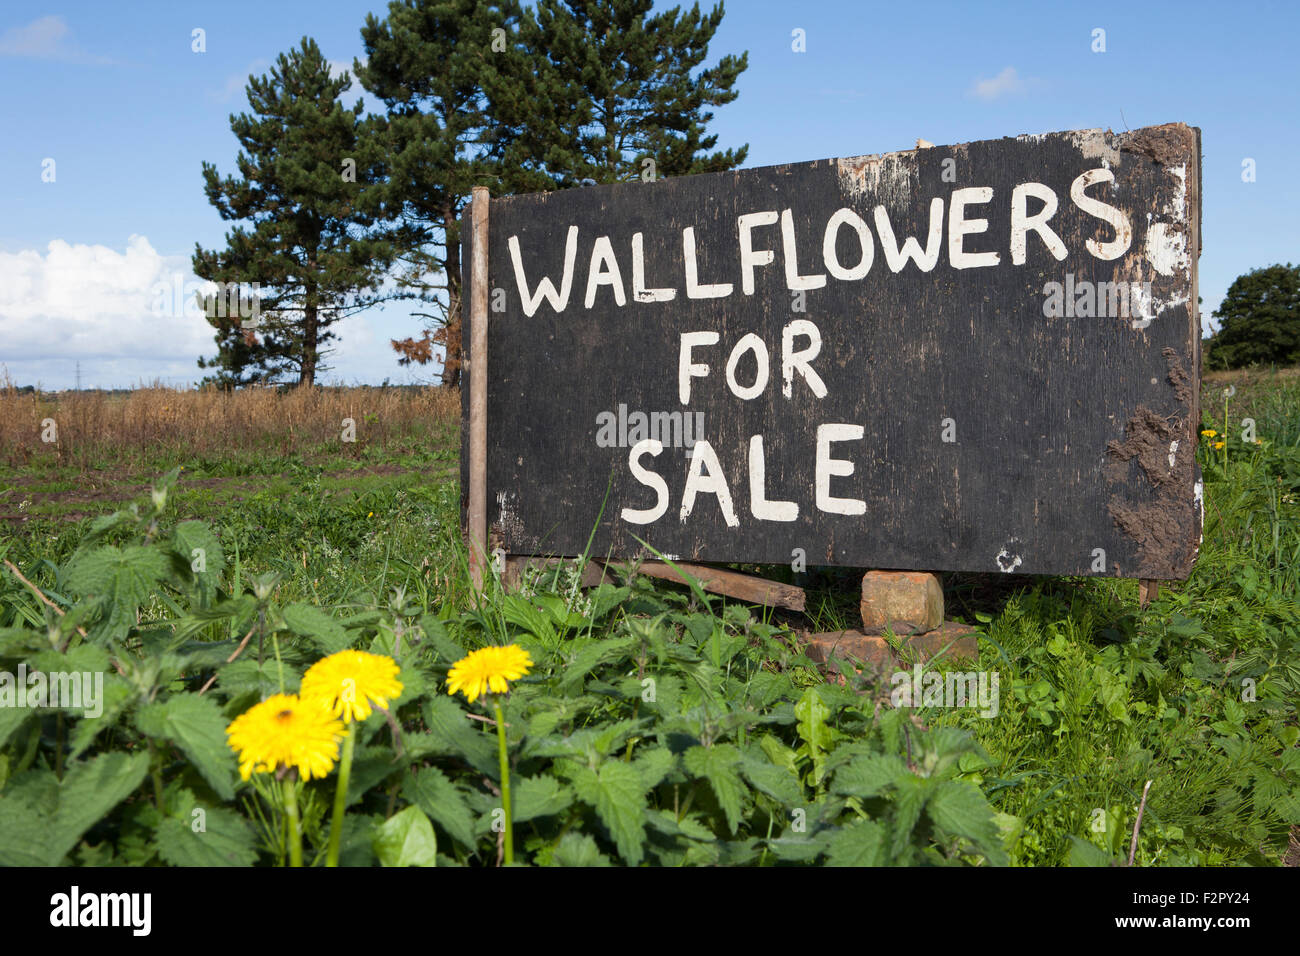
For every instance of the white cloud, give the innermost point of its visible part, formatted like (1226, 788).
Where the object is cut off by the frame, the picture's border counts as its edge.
(1006, 83)
(47, 38)
(129, 316)
(235, 82)
(133, 310)
(355, 91)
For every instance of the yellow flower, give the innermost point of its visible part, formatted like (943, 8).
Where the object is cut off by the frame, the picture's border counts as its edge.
(285, 731)
(1218, 445)
(371, 515)
(1209, 433)
(488, 668)
(348, 682)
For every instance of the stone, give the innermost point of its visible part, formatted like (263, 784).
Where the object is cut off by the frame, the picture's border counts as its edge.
(874, 649)
(905, 602)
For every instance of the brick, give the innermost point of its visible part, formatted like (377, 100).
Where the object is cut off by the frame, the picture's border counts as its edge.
(906, 602)
(874, 649)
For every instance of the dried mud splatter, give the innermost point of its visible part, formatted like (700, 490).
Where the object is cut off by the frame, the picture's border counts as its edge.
(1165, 528)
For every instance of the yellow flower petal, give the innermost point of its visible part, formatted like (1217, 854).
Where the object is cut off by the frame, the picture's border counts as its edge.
(488, 668)
(284, 730)
(349, 682)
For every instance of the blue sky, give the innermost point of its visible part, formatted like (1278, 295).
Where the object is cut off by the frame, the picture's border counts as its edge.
(114, 94)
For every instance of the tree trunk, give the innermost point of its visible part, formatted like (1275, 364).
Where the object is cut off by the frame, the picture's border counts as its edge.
(310, 334)
(452, 361)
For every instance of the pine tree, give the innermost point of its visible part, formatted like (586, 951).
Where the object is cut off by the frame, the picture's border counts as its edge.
(482, 94)
(1259, 320)
(317, 236)
(603, 91)
(430, 61)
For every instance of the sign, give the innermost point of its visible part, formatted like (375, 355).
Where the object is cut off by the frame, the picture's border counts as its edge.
(981, 357)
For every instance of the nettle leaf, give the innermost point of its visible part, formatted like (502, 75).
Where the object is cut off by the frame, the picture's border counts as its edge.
(654, 764)
(106, 523)
(616, 794)
(200, 551)
(311, 622)
(121, 578)
(611, 738)
(437, 796)
(688, 827)
(910, 796)
(578, 849)
(778, 782)
(867, 776)
(195, 833)
(371, 765)
(606, 597)
(719, 765)
(117, 695)
(960, 809)
(23, 837)
(17, 641)
(588, 657)
(247, 676)
(1083, 853)
(450, 729)
(88, 792)
(197, 726)
(859, 844)
(798, 847)
(811, 713)
(406, 839)
(11, 718)
(541, 796)
(435, 632)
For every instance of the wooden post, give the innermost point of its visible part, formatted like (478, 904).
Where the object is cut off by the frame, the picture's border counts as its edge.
(478, 371)
(1148, 591)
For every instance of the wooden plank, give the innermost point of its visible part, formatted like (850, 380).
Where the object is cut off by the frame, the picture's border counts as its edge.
(593, 573)
(478, 402)
(1148, 591)
(978, 409)
(744, 587)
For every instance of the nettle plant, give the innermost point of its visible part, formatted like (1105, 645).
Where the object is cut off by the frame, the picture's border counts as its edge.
(648, 727)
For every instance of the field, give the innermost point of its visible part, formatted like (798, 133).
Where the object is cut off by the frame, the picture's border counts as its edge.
(658, 724)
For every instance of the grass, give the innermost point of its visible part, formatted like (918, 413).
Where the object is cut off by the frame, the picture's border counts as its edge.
(1196, 693)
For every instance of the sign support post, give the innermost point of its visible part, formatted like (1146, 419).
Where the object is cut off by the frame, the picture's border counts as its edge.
(478, 372)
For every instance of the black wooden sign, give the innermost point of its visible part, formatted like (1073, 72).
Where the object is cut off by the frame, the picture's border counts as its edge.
(980, 357)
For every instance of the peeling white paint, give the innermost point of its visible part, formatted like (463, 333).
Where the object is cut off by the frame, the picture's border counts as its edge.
(1173, 453)
(1096, 144)
(887, 177)
(1177, 207)
(1008, 562)
(1166, 249)
(1198, 496)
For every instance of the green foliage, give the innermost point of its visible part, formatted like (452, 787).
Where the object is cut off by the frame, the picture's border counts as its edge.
(406, 839)
(656, 727)
(318, 234)
(1259, 320)
(609, 91)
